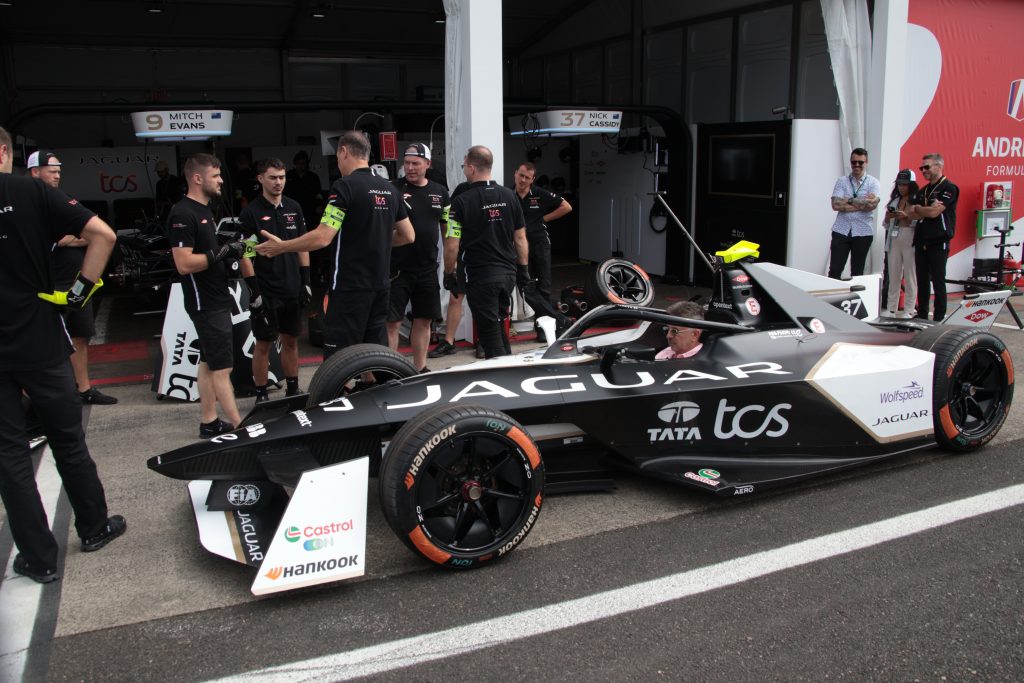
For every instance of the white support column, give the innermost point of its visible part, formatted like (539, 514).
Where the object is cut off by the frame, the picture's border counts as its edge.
(885, 96)
(474, 101)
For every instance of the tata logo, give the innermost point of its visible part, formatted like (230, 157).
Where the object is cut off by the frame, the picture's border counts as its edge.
(1015, 105)
(674, 414)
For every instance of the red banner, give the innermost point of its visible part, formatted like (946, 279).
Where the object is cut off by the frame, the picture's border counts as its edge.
(976, 117)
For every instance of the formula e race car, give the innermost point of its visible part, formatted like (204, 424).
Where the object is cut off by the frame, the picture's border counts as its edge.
(789, 384)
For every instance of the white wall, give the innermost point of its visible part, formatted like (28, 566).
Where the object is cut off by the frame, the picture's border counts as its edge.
(815, 155)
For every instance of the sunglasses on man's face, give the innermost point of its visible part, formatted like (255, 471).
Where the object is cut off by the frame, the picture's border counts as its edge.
(857, 163)
(925, 167)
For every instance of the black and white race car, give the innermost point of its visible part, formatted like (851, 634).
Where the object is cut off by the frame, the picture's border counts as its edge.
(787, 385)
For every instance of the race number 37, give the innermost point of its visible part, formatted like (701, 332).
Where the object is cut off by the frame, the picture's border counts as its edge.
(573, 119)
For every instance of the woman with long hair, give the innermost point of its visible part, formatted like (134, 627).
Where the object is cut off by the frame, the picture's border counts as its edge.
(899, 246)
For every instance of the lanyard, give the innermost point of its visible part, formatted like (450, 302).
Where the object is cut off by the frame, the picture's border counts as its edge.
(858, 188)
(928, 193)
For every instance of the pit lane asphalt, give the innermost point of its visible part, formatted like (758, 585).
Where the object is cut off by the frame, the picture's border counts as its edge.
(947, 602)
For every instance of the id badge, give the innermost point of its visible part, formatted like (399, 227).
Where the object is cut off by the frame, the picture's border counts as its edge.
(894, 233)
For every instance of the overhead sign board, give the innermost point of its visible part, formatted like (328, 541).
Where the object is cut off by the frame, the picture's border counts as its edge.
(565, 122)
(183, 124)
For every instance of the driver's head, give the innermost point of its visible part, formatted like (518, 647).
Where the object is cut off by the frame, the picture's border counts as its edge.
(682, 339)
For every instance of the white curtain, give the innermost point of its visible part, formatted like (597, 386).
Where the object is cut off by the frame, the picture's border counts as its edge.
(452, 90)
(849, 46)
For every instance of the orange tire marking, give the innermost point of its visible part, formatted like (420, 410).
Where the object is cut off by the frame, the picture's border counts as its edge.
(428, 549)
(409, 480)
(947, 423)
(1009, 365)
(614, 299)
(642, 271)
(536, 501)
(520, 437)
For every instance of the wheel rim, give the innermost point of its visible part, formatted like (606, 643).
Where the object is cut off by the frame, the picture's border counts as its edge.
(626, 283)
(475, 490)
(978, 393)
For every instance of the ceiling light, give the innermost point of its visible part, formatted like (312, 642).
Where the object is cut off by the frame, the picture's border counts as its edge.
(6, 4)
(320, 12)
(155, 8)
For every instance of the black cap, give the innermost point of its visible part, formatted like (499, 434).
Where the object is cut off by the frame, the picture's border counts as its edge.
(906, 176)
(43, 157)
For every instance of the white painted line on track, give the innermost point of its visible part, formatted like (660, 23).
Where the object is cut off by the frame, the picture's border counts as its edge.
(460, 640)
(19, 595)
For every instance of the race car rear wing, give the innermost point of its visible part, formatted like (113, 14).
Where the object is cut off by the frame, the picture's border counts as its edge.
(978, 310)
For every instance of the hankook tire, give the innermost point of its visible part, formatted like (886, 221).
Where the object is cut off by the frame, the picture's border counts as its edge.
(618, 281)
(462, 485)
(341, 374)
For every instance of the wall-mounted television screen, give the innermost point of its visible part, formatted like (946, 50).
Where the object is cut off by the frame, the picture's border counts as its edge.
(742, 165)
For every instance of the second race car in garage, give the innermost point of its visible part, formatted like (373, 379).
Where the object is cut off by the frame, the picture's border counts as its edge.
(786, 386)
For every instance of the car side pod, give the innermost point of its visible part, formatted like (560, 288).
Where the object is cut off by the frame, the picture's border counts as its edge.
(319, 537)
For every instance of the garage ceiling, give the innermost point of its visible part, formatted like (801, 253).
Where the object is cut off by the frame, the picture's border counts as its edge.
(401, 29)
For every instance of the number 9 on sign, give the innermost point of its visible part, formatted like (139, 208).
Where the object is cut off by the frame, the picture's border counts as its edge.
(154, 121)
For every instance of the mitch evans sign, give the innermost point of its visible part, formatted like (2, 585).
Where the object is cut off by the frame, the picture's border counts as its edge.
(565, 122)
(182, 124)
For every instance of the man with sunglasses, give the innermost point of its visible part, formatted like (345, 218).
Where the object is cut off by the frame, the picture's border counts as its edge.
(854, 199)
(934, 207)
(683, 342)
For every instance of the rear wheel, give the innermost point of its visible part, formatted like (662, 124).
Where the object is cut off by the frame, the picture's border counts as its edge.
(618, 281)
(462, 485)
(345, 372)
(973, 385)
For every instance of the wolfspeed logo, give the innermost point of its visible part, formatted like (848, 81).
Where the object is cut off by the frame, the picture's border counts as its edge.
(525, 530)
(432, 442)
(276, 573)
(908, 393)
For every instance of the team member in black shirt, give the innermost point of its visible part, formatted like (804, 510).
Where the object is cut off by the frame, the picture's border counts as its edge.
(363, 220)
(540, 207)
(279, 289)
(487, 233)
(34, 349)
(414, 266)
(203, 267)
(934, 207)
(67, 262)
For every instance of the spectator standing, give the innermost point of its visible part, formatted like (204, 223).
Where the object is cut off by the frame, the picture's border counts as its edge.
(33, 359)
(279, 289)
(68, 253)
(487, 234)
(854, 198)
(204, 269)
(414, 266)
(363, 220)
(934, 207)
(899, 245)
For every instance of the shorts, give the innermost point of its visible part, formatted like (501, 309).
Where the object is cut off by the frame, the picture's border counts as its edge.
(283, 316)
(355, 317)
(215, 338)
(491, 300)
(80, 322)
(420, 287)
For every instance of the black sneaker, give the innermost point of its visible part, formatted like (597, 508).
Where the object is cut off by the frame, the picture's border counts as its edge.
(424, 370)
(114, 527)
(261, 397)
(480, 352)
(445, 348)
(39, 576)
(97, 398)
(211, 429)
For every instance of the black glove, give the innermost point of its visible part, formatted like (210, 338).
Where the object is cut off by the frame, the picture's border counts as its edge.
(523, 276)
(305, 291)
(451, 282)
(255, 298)
(230, 251)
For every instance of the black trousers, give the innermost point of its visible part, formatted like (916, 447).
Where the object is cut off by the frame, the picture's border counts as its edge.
(930, 260)
(491, 302)
(540, 266)
(55, 402)
(843, 246)
(355, 317)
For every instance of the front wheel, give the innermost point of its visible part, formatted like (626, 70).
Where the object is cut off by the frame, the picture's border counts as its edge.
(355, 368)
(973, 385)
(462, 485)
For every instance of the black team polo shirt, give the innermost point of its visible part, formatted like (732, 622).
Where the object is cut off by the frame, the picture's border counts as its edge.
(279, 276)
(485, 218)
(428, 208)
(191, 224)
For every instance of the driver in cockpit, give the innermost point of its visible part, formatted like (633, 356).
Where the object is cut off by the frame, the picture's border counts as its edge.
(683, 342)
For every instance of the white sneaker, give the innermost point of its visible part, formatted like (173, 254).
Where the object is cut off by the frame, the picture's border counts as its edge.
(904, 315)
